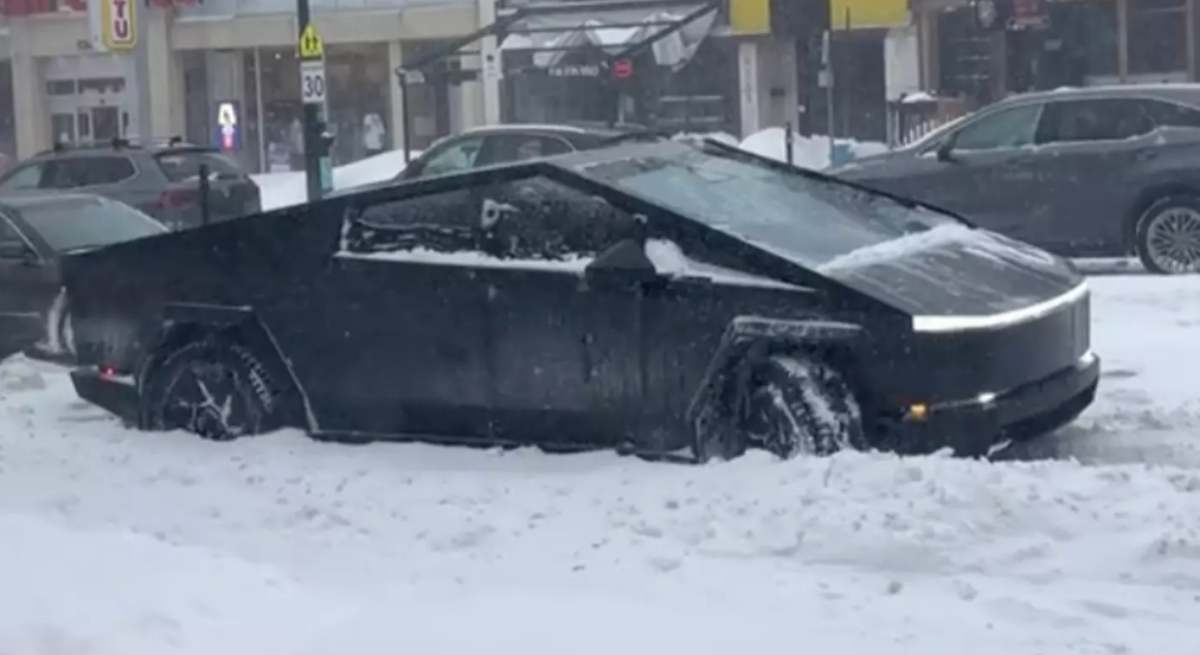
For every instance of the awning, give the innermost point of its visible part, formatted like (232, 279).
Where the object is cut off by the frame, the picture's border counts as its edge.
(550, 29)
(679, 28)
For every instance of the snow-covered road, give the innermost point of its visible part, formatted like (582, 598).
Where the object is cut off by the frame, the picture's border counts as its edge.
(119, 542)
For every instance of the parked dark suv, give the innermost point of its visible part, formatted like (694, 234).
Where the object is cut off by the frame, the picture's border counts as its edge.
(161, 179)
(1104, 171)
(503, 144)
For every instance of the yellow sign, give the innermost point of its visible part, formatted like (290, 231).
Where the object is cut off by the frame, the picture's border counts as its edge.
(118, 26)
(868, 13)
(311, 45)
(750, 16)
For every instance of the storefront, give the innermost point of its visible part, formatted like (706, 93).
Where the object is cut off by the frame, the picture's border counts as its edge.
(983, 49)
(88, 98)
(654, 63)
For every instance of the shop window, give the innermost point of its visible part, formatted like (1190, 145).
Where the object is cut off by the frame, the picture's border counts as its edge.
(1157, 36)
(1093, 120)
(1010, 128)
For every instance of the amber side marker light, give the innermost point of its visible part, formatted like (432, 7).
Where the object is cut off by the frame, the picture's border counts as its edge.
(917, 412)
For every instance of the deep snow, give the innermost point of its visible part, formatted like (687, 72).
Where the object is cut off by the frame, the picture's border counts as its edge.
(284, 189)
(807, 151)
(126, 543)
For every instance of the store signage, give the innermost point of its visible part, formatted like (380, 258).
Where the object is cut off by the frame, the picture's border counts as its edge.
(227, 121)
(622, 69)
(573, 70)
(311, 45)
(1028, 14)
(867, 14)
(312, 82)
(118, 24)
(748, 17)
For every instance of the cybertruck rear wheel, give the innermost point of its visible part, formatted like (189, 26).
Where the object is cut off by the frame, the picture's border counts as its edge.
(1168, 236)
(802, 406)
(213, 387)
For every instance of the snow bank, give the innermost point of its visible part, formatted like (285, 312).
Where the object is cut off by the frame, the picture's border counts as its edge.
(125, 543)
(284, 189)
(809, 152)
(68, 590)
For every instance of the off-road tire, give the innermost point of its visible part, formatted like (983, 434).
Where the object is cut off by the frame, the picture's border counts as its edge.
(801, 405)
(237, 397)
(1171, 214)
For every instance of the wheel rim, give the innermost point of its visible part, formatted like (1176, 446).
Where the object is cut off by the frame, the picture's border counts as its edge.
(1173, 240)
(204, 399)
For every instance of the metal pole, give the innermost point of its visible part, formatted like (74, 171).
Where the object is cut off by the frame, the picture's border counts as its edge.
(258, 111)
(829, 93)
(312, 120)
(204, 213)
(406, 127)
(789, 142)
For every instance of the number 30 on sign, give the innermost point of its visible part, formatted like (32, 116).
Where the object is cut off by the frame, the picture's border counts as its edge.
(312, 82)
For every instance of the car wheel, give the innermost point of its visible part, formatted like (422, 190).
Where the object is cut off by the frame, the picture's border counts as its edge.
(802, 406)
(215, 388)
(1168, 236)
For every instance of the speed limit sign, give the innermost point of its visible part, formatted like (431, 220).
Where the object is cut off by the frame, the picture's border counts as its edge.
(312, 82)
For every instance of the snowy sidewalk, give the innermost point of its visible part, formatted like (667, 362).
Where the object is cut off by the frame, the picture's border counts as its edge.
(124, 543)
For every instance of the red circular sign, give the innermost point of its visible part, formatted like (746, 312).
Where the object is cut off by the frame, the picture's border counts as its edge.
(622, 69)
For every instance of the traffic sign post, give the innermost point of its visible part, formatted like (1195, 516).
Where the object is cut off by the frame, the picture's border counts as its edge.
(313, 88)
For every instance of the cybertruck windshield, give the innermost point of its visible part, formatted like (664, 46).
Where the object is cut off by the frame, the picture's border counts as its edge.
(803, 218)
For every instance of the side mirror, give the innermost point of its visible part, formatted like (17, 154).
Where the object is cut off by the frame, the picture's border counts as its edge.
(945, 151)
(625, 263)
(18, 251)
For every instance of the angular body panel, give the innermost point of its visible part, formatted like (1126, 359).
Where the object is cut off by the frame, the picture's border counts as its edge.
(558, 303)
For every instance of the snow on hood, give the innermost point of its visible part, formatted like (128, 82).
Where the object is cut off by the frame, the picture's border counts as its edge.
(899, 248)
(669, 259)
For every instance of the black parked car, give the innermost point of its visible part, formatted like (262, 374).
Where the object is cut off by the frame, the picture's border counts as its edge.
(35, 232)
(161, 179)
(503, 144)
(1104, 171)
(656, 298)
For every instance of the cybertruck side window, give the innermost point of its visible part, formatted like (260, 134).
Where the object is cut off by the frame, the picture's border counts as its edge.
(443, 222)
(542, 219)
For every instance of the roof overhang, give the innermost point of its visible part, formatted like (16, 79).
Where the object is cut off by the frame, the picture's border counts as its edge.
(615, 29)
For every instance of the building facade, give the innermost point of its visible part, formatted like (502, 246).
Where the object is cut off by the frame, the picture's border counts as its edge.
(225, 72)
(983, 51)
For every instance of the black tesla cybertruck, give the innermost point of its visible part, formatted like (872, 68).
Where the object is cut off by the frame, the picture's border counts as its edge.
(675, 299)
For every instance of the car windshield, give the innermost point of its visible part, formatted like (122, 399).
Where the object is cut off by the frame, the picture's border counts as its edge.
(68, 224)
(803, 218)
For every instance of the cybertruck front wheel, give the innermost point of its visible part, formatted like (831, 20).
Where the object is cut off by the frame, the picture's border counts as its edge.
(802, 406)
(213, 387)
